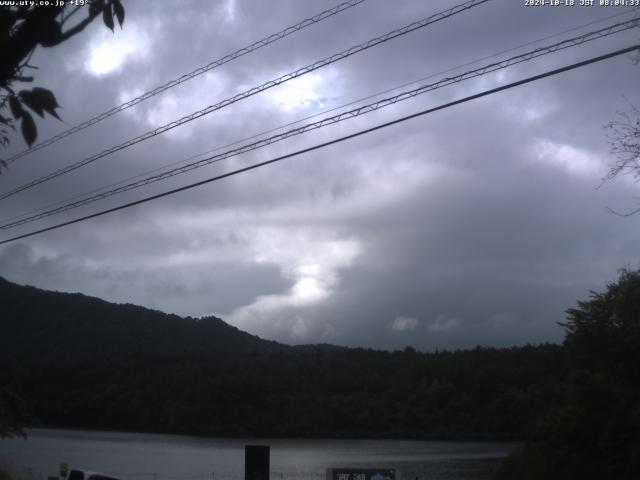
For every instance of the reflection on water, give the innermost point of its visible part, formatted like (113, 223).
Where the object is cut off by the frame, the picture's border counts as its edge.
(133, 456)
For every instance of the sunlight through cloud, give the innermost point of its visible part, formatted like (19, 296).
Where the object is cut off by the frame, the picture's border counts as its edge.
(108, 53)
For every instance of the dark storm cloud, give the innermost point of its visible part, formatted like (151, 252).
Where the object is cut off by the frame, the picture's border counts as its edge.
(477, 224)
(498, 279)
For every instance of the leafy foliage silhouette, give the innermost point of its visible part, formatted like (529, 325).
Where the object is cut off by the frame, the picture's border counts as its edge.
(22, 29)
(594, 433)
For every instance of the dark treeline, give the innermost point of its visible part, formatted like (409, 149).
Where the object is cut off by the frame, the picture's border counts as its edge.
(480, 393)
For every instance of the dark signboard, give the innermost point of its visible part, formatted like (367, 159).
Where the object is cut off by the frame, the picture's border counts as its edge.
(361, 474)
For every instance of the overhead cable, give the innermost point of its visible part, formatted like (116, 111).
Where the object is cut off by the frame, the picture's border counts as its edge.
(331, 142)
(314, 115)
(188, 76)
(385, 102)
(253, 91)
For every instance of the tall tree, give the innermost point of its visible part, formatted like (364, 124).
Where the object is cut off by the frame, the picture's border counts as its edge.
(595, 432)
(624, 138)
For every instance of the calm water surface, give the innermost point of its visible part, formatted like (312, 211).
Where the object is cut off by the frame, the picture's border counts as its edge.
(134, 456)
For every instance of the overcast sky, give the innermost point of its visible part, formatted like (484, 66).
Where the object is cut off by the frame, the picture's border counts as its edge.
(478, 224)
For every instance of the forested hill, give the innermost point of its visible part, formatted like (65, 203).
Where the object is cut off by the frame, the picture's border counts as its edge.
(37, 324)
(82, 362)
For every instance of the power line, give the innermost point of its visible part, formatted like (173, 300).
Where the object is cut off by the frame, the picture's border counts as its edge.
(309, 117)
(333, 109)
(188, 76)
(253, 91)
(331, 142)
(524, 57)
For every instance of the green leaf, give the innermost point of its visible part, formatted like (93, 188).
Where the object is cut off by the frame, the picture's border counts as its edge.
(29, 130)
(16, 109)
(118, 9)
(107, 17)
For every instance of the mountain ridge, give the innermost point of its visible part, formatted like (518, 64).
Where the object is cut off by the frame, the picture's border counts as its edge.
(39, 324)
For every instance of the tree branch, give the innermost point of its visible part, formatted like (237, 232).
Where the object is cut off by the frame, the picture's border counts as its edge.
(71, 14)
(80, 26)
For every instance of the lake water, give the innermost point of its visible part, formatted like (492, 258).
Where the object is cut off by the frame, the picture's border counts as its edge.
(133, 456)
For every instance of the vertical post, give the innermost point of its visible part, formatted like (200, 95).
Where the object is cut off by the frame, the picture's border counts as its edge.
(256, 462)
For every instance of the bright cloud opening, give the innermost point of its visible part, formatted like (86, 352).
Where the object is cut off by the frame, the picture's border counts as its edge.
(568, 158)
(403, 324)
(108, 53)
(312, 264)
(442, 323)
(230, 8)
(310, 90)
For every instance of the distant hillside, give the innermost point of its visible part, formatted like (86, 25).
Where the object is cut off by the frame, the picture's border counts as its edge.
(38, 324)
(81, 362)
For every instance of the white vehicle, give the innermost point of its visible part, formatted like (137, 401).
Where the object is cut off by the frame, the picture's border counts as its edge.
(86, 475)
